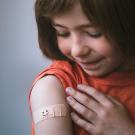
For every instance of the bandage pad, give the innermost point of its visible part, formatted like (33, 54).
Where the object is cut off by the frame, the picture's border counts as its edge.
(57, 110)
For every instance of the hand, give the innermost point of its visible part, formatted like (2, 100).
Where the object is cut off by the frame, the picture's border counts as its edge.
(101, 114)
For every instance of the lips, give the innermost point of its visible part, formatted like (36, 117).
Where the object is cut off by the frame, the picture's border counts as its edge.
(89, 62)
(90, 65)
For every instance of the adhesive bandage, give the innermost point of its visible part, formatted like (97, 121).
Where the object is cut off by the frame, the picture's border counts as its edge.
(57, 110)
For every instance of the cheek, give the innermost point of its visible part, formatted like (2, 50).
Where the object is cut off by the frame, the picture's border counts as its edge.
(63, 46)
(104, 48)
(109, 50)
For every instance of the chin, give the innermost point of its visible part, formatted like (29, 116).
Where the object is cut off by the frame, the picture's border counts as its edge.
(97, 73)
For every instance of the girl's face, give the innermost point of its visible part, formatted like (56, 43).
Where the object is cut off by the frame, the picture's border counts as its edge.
(84, 44)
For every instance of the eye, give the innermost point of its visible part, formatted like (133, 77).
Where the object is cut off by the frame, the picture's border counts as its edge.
(62, 34)
(94, 34)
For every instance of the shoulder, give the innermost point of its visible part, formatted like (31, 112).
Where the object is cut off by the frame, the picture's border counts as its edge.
(66, 72)
(61, 64)
(60, 68)
(46, 92)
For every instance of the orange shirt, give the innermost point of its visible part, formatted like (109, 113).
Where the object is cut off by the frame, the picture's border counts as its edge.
(119, 85)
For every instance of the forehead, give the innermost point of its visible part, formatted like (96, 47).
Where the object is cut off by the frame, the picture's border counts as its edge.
(73, 17)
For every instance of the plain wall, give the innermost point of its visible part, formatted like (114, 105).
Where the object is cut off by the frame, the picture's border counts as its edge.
(20, 61)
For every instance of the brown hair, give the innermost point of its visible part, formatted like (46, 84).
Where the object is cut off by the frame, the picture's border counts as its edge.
(115, 18)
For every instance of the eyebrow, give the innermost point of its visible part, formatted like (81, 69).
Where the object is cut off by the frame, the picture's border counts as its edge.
(77, 27)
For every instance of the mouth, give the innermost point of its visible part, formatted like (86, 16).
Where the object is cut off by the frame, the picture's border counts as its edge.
(91, 65)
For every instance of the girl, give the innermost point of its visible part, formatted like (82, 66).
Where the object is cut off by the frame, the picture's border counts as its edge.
(91, 43)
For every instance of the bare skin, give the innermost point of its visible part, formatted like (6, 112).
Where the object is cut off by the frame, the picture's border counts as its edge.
(84, 44)
(102, 115)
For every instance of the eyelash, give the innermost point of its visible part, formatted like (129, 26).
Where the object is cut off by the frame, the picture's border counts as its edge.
(66, 34)
(95, 35)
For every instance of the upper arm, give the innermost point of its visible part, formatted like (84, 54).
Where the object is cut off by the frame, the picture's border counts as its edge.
(49, 91)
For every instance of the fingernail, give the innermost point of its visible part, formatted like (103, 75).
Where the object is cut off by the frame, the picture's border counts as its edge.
(79, 86)
(69, 89)
(69, 98)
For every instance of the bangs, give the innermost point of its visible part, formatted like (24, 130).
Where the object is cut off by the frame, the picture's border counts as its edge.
(115, 19)
(55, 7)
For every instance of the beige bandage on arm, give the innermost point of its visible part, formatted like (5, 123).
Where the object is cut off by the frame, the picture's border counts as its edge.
(57, 110)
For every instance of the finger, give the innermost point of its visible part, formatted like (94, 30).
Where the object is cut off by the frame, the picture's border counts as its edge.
(97, 95)
(82, 123)
(115, 101)
(87, 101)
(89, 115)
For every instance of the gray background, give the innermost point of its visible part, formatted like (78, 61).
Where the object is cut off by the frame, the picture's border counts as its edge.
(20, 61)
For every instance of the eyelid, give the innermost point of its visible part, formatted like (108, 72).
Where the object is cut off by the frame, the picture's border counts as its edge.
(58, 29)
(62, 34)
(94, 35)
(93, 32)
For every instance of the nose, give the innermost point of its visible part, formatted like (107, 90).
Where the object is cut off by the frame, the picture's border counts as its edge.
(79, 47)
